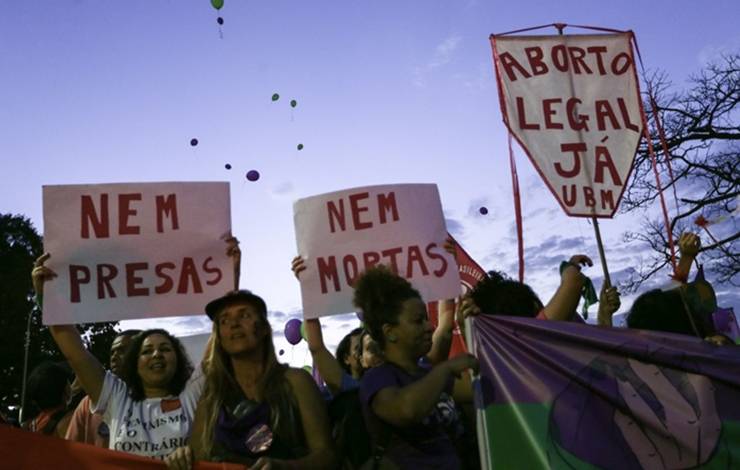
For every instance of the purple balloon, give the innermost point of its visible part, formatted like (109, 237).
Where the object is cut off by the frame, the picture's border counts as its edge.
(293, 331)
(360, 316)
(227, 166)
(253, 175)
(193, 142)
(281, 352)
(483, 210)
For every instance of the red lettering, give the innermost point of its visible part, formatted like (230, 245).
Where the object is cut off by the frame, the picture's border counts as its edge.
(189, 272)
(77, 275)
(619, 69)
(569, 201)
(626, 116)
(535, 54)
(101, 226)
(436, 256)
(415, 256)
(576, 57)
(522, 117)
(354, 200)
(548, 112)
(607, 197)
(392, 253)
(575, 148)
(166, 207)
(124, 211)
(350, 264)
(509, 63)
(560, 58)
(133, 281)
(212, 270)
(588, 194)
(167, 282)
(604, 161)
(370, 259)
(106, 273)
(328, 269)
(577, 122)
(387, 203)
(597, 51)
(336, 213)
(604, 110)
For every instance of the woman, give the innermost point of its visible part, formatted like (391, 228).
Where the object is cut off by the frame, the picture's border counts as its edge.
(255, 410)
(409, 407)
(149, 409)
(49, 391)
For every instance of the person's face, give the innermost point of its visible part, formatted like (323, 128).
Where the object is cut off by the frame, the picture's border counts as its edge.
(353, 358)
(157, 361)
(240, 328)
(371, 355)
(413, 333)
(117, 351)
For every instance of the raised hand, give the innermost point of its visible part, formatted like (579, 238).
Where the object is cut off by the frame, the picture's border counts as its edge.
(298, 265)
(40, 273)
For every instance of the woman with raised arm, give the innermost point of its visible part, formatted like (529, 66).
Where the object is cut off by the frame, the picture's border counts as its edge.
(255, 410)
(408, 405)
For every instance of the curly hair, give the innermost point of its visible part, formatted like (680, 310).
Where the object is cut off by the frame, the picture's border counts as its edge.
(344, 349)
(47, 383)
(129, 369)
(380, 294)
(497, 294)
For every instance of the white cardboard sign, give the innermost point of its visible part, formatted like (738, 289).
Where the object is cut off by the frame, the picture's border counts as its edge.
(135, 250)
(572, 102)
(342, 233)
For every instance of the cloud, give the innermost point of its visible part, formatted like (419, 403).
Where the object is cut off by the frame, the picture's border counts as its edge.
(282, 190)
(454, 227)
(714, 52)
(443, 55)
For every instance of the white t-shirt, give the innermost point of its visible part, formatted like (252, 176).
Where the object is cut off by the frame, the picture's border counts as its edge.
(153, 427)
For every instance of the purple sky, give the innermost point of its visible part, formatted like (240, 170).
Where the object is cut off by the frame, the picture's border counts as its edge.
(387, 91)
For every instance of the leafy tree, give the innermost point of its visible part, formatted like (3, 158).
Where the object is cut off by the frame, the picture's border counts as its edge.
(701, 126)
(20, 245)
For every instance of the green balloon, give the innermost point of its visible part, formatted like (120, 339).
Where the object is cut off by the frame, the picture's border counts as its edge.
(293, 103)
(308, 369)
(300, 147)
(275, 97)
(217, 4)
(303, 331)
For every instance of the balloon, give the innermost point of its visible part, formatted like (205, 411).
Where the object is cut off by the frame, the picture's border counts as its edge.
(483, 210)
(308, 369)
(293, 103)
(300, 147)
(293, 331)
(220, 20)
(360, 316)
(303, 331)
(253, 175)
(227, 166)
(281, 352)
(193, 142)
(275, 97)
(217, 4)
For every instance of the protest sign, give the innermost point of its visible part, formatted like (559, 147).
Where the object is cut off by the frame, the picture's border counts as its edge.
(340, 234)
(572, 102)
(135, 250)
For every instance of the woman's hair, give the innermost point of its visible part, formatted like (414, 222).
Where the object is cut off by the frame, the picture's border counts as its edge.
(272, 388)
(667, 311)
(344, 349)
(496, 294)
(130, 373)
(380, 294)
(47, 384)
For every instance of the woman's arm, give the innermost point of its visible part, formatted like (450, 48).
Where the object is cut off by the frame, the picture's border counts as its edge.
(315, 422)
(88, 369)
(442, 336)
(564, 302)
(404, 406)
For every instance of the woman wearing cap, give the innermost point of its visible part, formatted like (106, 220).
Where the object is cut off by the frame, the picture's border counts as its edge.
(255, 410)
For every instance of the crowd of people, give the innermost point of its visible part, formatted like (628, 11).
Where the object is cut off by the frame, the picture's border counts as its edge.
(390, 397)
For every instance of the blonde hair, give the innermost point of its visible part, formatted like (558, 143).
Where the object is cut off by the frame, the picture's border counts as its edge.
(272, 388)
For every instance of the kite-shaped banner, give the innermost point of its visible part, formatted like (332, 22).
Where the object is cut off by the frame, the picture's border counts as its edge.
(573, 103)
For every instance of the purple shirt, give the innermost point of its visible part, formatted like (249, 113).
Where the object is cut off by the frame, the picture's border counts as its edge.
(423, 445)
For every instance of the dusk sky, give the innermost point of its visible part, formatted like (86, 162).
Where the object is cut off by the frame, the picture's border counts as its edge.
(387, 92)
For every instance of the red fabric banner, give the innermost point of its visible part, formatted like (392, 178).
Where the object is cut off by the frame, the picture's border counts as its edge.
(27, 450)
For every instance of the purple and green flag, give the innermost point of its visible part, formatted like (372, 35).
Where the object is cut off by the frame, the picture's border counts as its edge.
(563, 395)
